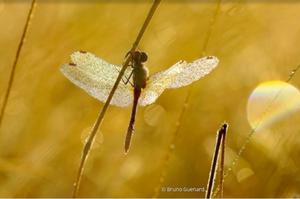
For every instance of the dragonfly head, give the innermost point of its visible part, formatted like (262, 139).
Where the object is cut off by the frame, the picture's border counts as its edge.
(140, 56)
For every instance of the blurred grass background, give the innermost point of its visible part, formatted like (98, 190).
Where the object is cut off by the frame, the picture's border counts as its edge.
(47, 117)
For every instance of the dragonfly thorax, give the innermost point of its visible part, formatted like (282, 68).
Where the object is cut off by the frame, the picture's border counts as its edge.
(140, 71)
(140, 76)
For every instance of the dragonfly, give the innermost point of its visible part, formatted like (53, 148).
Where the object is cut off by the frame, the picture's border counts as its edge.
(97, 77)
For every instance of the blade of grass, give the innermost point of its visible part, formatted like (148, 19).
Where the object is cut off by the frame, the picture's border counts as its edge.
(16, 60)
(171, 147)
(220, 141)
(211, 27)
(223, 142)
(184, 108)
(252, 131)
(89, 142)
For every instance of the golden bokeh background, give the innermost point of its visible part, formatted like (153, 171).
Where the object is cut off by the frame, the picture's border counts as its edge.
(47, 118)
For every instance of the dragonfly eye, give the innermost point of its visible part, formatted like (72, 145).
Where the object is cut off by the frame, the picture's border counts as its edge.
(143, 57)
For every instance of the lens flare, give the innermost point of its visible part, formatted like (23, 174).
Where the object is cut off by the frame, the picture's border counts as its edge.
(270, 102)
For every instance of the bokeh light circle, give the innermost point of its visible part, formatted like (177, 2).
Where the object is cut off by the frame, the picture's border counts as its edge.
(153, 114)
(270, 102)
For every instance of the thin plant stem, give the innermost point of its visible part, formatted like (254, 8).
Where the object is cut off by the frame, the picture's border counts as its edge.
(16, 60)
(184, 108)
(212, 174)
(253, 131)
(89, 142)
(211, 27)
(171, 146)
(223, 143)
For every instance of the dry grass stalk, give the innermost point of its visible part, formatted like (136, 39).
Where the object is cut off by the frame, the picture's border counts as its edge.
(252, 131)
(89, 142)
(16, 60)
(184, 108)
(220, 142)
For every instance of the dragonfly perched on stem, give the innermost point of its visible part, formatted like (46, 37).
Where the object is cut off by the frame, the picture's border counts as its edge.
(96, 77)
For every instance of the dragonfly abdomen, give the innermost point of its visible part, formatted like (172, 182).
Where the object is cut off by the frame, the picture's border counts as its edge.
(137, 93)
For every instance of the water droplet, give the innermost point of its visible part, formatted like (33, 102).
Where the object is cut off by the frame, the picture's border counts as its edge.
(243, 174)
(98, 140)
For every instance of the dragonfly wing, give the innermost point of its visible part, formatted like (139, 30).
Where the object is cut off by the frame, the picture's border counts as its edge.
(97, 78)
(194, 71)
(179, 75)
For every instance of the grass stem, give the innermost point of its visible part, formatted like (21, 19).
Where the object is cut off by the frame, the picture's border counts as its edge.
(220, 140)
(253, 130)
(222, 164)
(89, 142)
(184, 108)
(16, 60)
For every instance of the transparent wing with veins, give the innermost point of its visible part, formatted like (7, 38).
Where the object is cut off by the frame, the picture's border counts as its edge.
(97, 78)
(179, 75)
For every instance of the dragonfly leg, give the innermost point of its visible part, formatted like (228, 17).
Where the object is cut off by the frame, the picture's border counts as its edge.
(128, 79)
(130, 64)
(128, 82)
(129, 53)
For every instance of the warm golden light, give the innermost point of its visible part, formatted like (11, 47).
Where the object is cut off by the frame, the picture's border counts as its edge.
(271, 101)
